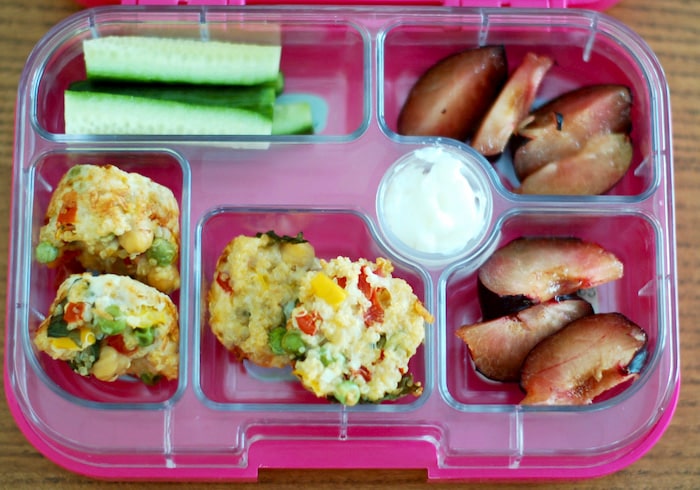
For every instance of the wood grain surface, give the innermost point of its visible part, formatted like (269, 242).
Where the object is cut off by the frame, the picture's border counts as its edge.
(672, 28)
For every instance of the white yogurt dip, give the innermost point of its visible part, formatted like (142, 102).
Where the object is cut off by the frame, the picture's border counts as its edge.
(431, 202)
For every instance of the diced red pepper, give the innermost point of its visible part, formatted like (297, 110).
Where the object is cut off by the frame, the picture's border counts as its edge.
(117, 342)
(222, 279)
(363, 285)
(379, 299)
(375, 313)
(308, 322)
(73, 312)
(69, 210)
(364, 372)
(341, 281)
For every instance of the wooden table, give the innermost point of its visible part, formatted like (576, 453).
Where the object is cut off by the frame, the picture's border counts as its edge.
(672, 28)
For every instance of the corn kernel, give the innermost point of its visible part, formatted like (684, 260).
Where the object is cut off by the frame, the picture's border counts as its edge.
(64, 343)
(148, 317)
(327, 289)
(87, 337)
(263, 281)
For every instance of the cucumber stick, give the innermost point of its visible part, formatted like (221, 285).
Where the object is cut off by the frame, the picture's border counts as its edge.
(154, 59)
(292, 118)
(92, 108)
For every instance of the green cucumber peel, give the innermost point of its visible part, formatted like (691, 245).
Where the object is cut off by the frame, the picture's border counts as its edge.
(259, 99)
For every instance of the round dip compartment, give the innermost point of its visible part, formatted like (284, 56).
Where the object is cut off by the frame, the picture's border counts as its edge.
(222, 379)
(637, 294)
(163, 168)
(434, 204)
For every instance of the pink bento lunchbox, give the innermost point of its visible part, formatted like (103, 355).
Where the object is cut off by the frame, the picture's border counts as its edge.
(223, 419)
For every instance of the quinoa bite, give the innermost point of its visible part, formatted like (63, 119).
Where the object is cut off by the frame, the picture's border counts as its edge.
(112, 221)
(355, 328)
(256, 279)
(109, 326)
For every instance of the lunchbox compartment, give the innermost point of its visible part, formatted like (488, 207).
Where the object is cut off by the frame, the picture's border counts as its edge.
(225, 381)
(583, 53)
(324, 63)
(637, 294)
(162, 167)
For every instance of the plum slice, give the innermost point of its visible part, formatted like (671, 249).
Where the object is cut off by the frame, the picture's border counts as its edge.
(594, 169)
(499, 347)
(494, 305)
(584, 359)
(512, 105)
(537, 269)
(452, 96)
(561, 127)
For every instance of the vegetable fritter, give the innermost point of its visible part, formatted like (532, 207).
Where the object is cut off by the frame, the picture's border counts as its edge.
(116, 222)
(108, 326)
(256, 280)
(354, 331)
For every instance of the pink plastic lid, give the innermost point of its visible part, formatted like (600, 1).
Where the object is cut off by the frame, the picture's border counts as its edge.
(583, 4)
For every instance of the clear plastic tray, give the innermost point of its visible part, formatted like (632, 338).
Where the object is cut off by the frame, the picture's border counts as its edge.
(226, 419)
